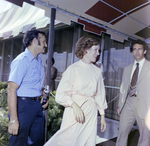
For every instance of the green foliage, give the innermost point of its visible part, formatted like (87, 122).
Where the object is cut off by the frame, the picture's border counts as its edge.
(55, 113)
(4, 136)
(3, 85)
(3, 99)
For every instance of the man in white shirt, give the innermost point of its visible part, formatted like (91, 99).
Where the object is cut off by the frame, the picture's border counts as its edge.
(134, 98)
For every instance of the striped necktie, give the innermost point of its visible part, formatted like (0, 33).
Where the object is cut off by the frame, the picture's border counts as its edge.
(135, 75)
(132, 90)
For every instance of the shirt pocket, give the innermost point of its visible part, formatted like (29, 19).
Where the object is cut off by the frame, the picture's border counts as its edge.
(33, 73)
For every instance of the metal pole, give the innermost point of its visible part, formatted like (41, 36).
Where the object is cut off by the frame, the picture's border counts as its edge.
(12, 49)
(48, 69)
(50, 45)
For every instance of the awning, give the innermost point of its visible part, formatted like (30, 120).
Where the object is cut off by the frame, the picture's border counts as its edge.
(16, 19)
(121, 19)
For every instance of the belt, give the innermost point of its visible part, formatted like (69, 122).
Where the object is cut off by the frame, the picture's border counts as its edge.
(134, 95)
(30, 98)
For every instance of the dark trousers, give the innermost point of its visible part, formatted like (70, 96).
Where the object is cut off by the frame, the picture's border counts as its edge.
(31, 124)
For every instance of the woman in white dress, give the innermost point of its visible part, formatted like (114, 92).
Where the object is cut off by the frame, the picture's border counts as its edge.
(81, 91)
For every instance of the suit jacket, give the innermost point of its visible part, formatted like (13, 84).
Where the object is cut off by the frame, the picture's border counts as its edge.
(143, 88)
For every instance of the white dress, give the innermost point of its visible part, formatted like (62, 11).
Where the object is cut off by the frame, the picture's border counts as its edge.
(81, 83)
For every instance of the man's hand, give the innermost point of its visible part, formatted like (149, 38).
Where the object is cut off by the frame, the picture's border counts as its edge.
(13, 127)
(12, 106)
(118, 111)
(79, 115)
(103, 123)
(46, 104)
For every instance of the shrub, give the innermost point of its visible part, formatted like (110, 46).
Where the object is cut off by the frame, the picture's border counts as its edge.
(4, 135)
(3, 85)
(3, 99)
(55, 113)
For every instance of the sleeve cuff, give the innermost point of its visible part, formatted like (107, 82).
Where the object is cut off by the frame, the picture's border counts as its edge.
(70, 102)
(101, 111)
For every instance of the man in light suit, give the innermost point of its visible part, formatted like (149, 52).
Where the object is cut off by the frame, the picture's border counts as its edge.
(134, 100)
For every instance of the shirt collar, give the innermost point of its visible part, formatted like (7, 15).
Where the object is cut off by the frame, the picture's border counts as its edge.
(140, 63)
(30, 55)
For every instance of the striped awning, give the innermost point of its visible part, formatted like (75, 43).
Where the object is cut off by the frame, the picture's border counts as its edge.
(15, 19)
(121, 19)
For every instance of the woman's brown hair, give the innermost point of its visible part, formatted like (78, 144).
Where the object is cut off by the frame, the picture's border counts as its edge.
(85, 43)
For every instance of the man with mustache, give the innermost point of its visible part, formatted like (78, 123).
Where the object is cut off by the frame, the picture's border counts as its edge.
(24, 91)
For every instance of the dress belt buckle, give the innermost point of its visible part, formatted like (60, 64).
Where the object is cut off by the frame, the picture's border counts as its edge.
(23, 98)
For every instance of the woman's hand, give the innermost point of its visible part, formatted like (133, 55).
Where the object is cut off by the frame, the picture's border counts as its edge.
(103, 123)
(79, 115)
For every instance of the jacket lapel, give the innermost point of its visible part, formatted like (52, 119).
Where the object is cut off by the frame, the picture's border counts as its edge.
(128, 74)
(145, 68)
